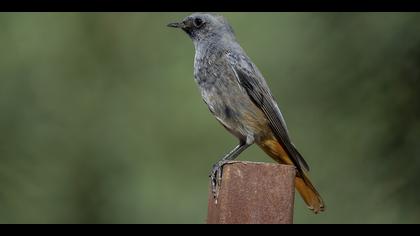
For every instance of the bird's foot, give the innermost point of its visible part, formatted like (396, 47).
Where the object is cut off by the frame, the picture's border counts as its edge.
(216, 177)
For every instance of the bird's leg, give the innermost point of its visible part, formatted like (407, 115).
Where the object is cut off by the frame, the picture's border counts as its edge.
(216, 172)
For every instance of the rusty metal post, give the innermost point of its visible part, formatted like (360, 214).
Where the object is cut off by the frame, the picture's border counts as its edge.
(254, 193)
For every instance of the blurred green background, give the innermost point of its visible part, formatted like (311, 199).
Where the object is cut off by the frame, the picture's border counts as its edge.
(102, 122)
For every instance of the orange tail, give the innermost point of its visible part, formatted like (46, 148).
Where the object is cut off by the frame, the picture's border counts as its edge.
(309, 194)
(304, 186)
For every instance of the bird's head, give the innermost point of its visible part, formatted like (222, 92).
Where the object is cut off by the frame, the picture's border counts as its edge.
(204, 26)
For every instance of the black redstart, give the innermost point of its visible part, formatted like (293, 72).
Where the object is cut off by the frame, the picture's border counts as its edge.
(238, 96)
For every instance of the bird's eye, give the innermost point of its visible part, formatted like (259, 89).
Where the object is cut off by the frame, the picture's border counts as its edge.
(198, 22)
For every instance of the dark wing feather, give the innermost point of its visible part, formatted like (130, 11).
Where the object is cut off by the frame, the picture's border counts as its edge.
(259, 93)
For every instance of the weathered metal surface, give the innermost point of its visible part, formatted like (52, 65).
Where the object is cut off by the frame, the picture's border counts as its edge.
(254, 193)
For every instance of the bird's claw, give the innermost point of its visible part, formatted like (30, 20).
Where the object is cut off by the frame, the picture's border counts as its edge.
(216, 178)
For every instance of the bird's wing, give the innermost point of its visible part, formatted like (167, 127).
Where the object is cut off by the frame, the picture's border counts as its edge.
(257, 89)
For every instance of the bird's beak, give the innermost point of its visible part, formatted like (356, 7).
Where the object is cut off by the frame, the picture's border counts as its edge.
(176, 25)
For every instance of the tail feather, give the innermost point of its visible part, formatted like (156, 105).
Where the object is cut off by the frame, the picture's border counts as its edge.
(302, 183)
(309, 194)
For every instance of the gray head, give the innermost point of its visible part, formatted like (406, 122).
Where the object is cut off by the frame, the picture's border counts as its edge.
(205, 26)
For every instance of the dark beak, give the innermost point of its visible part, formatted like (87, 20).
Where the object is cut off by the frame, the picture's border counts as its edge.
(176, 25)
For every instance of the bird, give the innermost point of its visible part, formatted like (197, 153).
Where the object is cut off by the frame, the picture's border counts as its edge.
(239, 97)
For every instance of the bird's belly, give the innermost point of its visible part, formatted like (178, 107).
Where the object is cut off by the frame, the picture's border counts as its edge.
(237, 113)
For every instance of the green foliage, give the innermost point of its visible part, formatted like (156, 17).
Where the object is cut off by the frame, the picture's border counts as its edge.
(101, 121)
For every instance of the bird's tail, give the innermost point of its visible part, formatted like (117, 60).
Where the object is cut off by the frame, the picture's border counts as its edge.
(302, 183)
(309, 194)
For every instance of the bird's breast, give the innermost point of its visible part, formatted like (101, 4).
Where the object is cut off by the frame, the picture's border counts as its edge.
(226, 99)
